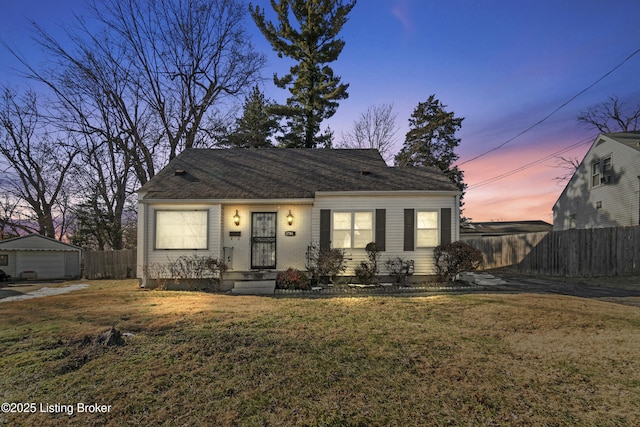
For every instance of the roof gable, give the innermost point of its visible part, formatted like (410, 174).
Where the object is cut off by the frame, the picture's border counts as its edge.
(277, 173)
(628, 139)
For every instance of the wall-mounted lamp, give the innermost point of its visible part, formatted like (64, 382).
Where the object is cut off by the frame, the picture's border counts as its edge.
(290, 218)
(236, 218)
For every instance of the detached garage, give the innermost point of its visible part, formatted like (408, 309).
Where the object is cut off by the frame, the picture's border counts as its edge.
(39, 257)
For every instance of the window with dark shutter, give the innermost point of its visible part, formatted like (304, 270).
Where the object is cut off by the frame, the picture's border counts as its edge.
(409, 221)
(381, 229)
(325, 229)
(445, 226)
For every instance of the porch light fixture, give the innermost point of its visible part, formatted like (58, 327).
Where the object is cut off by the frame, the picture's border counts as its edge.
(236, 218)
(290, 218)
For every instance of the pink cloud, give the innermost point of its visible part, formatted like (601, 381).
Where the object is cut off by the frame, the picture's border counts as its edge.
(401, 11)
(525, 195)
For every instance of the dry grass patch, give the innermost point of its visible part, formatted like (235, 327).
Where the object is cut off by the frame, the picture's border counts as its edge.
(213, 359)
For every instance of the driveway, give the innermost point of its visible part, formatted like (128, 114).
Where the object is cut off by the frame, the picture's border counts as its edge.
(614, 289)
(24, 291)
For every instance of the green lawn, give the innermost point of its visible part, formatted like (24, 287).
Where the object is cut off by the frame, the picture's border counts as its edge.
(211, 359)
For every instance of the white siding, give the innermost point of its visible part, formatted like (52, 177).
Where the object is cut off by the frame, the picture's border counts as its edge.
(290, 250)
(394, 206)
(610, 205)
(11, 268)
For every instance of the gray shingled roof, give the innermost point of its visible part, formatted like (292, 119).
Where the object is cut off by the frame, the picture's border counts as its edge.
(279, 173)
(630, 139)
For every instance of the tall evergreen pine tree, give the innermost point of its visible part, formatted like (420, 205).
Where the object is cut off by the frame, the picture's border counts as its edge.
(313, 43)
(256, 126)
(431, 140)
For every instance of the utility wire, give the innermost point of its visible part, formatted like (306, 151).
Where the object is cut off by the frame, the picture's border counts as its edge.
(554, 111)
(528, 165)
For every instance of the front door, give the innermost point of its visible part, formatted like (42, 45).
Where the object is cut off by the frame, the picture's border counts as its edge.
(263, 240)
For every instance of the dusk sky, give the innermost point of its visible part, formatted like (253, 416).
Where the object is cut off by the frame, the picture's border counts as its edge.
(503, 65)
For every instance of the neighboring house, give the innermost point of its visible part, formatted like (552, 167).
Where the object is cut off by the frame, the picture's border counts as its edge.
(39, 257)
(475, 230)
(260, 209)
(605, 189)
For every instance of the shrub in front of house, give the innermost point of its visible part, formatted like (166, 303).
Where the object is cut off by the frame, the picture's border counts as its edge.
(292, 278)
(187, 272)
(399, 269)
(367, 271)
(454, 258)
(325, 264)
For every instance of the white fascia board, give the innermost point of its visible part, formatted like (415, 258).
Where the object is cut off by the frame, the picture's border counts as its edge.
(227, 201)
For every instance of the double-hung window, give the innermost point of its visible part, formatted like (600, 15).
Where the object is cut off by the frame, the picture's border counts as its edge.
(427, 229)
(601, 172)
(352, 229)
(181, 229)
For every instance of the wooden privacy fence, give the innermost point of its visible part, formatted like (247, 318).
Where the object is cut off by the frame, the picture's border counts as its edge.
(572, 253)
(119, 264)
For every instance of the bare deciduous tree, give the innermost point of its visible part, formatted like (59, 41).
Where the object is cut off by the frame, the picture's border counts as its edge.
(375, 128)
(140, 86)
(11, 224)
(184, 56)
(37, 163)
(611, 116)
(568, 165)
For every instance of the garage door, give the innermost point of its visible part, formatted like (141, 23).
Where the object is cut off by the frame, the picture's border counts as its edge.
(47, 265)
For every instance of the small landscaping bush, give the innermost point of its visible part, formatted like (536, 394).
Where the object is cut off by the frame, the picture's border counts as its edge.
(399, 269)
(454, 258)
(184, 269)
(367, 271)
(292, 279)
(325, 264)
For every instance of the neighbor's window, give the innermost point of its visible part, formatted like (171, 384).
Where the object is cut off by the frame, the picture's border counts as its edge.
(181, 229)
(601, 172)
(426, 229)
(352, 229)
(4, 260)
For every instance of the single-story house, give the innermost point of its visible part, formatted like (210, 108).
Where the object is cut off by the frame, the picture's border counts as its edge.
(604, 191)
(261, 209)
(39, 257)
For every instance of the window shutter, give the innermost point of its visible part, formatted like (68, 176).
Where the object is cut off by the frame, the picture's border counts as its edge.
(325, 229)
(381, 229)
(445, 226)
(409, 229)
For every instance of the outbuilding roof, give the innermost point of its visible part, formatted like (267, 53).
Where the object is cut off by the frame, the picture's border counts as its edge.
(35, 242)
(278, 173)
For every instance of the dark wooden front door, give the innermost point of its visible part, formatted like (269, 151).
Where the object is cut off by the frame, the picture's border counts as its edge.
(263, 240)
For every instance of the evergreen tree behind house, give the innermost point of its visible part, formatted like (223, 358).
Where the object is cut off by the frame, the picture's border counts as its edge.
(313, 43)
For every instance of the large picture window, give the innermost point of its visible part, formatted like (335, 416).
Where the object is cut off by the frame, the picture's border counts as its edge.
(181, 229)
(352, 229)
(426, 229)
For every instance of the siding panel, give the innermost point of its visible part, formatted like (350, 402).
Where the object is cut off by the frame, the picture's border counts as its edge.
(394, 207)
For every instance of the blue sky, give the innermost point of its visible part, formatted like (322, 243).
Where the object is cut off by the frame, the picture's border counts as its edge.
(502, 65)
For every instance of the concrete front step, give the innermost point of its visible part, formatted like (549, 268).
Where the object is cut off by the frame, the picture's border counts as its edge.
(254, 287)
